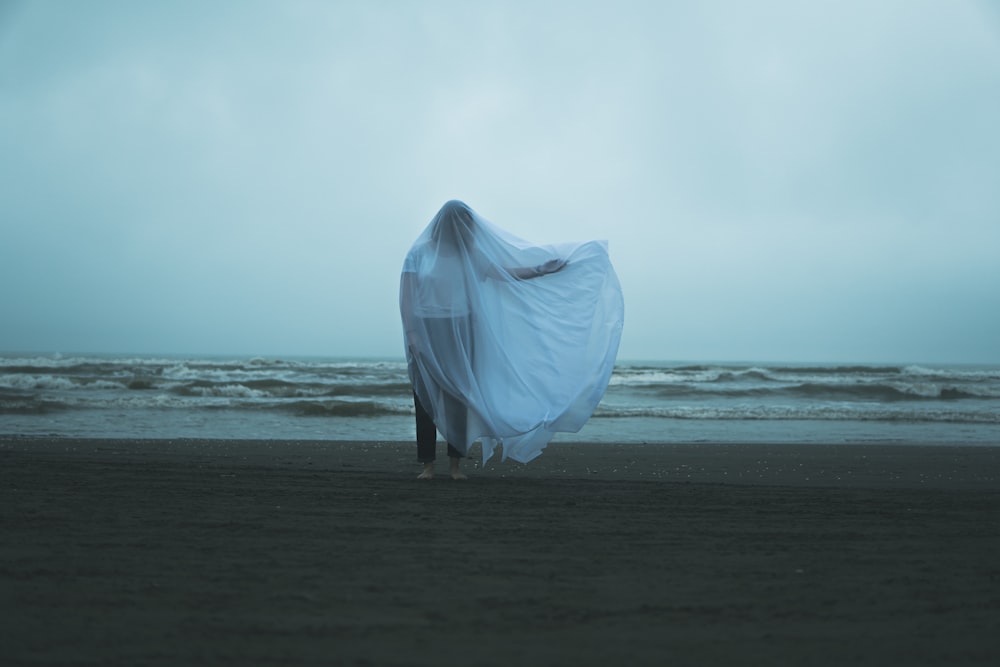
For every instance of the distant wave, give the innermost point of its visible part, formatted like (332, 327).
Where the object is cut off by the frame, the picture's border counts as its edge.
(659, 374)
(231, 399)
(378, 388)
(284, 389)
(870, 392)
(342, 408)
(797, 413)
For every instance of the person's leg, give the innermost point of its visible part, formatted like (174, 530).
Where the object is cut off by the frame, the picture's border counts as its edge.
(455, 472)
(460, 413)
(464, 325)
(426, 439)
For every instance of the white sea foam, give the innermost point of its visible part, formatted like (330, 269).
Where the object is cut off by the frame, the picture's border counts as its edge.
(749, 412)
(229, 391)
(646, 377)
(36, 383)
(71, 394)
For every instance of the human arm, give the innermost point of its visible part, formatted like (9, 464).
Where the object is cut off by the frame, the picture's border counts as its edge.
(407, 286)
(529, 272)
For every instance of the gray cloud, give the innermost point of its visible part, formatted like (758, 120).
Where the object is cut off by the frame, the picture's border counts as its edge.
(777, 180)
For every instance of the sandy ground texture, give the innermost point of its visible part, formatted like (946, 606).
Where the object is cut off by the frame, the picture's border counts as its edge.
(282, 553)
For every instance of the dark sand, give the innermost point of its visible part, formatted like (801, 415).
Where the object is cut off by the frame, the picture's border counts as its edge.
(275, 553)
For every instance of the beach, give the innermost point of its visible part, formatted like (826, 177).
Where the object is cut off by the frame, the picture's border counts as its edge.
(266, 552)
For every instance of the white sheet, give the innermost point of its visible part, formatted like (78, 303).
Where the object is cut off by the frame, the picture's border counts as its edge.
(507, 342)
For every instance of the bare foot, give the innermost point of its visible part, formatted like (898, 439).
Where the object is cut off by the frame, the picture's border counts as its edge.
(428, 472)
(455, 472)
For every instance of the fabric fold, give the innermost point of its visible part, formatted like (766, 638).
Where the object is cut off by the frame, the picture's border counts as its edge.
(507, 342)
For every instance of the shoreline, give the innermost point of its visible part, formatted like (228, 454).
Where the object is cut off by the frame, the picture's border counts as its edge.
(229, 552)
(848, 465)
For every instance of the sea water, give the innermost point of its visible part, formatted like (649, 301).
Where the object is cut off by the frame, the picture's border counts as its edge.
(370, 399)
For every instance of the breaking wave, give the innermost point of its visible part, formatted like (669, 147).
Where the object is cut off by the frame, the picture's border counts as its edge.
(359, 389)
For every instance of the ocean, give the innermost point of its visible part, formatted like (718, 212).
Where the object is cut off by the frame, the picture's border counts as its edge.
(108, 396)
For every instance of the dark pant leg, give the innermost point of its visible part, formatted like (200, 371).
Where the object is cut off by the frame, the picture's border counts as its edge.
(427, 435)
(457, 412)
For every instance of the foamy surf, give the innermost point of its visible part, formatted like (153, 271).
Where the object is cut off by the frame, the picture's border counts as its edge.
(135, 396)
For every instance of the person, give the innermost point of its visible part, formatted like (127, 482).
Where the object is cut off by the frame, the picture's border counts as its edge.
(498, 349)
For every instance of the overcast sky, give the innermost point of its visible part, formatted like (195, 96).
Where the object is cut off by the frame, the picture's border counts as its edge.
(787, 181)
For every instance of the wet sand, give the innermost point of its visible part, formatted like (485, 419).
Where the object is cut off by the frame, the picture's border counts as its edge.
(264, 553)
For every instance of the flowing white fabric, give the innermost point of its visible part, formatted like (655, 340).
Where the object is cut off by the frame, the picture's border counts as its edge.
(507, 342)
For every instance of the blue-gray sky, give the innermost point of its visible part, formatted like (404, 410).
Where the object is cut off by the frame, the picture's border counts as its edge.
(777, 180)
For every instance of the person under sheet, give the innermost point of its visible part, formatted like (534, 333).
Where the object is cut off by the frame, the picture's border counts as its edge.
(506, 342)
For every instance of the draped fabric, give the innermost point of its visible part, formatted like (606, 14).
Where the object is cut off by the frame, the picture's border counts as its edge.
(507, 342)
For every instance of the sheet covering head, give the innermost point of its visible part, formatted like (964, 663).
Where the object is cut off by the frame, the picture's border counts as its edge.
(507, 342)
